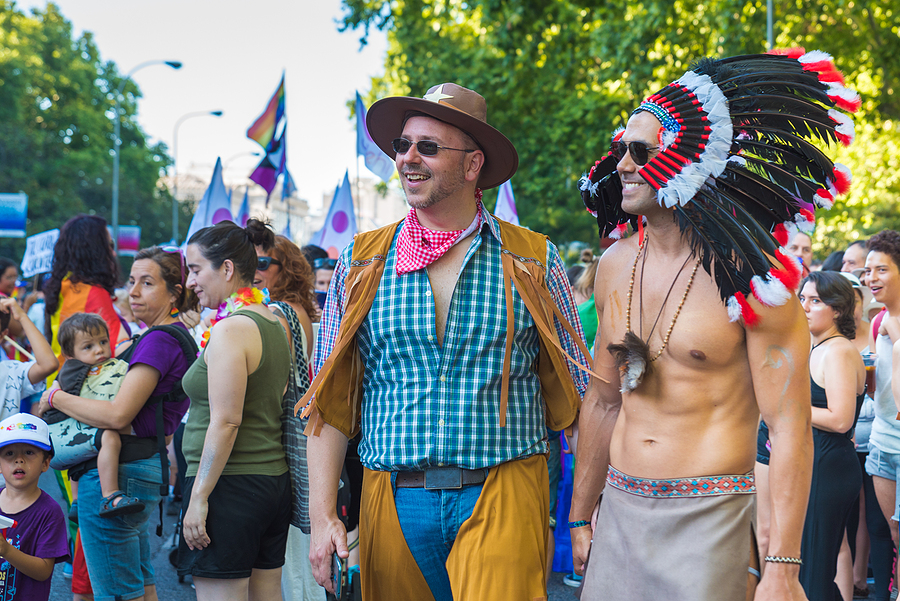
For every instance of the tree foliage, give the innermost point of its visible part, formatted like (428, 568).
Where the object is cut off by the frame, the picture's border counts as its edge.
(560, 75)
(56, 131)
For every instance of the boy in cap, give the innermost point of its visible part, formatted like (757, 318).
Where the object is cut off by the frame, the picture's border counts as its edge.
(37, 539)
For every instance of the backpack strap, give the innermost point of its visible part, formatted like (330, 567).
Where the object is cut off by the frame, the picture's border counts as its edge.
(189, 348)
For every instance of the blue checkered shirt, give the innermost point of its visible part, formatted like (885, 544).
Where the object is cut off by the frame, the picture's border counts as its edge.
(428, 405)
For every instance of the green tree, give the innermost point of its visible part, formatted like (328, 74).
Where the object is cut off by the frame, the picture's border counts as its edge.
(559, 75)
(56, 131)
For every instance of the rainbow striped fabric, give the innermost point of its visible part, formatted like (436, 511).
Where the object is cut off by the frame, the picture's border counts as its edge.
(263, 129)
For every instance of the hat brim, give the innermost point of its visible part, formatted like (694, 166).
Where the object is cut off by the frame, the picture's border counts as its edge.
(33, 443)
(384, 121)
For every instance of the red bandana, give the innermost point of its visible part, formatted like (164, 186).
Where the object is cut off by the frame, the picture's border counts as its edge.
(418, 246)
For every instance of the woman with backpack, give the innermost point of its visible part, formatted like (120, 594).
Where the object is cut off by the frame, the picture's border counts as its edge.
(117, 550)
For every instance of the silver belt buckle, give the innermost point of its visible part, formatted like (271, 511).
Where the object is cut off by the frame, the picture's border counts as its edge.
(441, 478)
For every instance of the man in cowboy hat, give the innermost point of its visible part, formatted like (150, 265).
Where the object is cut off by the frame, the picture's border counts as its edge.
(438, 339)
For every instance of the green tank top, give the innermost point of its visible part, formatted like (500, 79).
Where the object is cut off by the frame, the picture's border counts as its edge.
(257, 448)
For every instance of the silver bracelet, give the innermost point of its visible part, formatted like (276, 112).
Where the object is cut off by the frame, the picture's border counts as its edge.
(779, 559)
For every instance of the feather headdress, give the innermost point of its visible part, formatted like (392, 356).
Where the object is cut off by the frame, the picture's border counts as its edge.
(737, 166)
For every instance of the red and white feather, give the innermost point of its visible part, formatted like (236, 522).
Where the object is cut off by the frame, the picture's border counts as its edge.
(843, 128)
(770, 291)
(845, 98)
(824, 198)
(842, 178)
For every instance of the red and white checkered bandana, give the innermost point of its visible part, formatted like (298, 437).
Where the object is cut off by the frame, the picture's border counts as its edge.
(418, 246)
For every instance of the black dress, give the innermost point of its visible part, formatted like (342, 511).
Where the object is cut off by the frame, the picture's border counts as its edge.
(836, 480)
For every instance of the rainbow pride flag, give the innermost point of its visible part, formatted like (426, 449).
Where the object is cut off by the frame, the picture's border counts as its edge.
(263, 129)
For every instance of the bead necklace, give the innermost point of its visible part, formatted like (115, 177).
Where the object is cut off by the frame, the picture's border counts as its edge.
(632, 355)
(665, 300)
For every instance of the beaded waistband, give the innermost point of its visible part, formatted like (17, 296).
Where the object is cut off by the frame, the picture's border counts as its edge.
(703, 486)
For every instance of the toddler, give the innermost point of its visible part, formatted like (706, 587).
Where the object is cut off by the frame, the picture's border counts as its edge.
(90, 372)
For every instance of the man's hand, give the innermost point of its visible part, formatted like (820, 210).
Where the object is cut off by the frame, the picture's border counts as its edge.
(780, 583)
(194, 524)
(581, 547)
(326, 536)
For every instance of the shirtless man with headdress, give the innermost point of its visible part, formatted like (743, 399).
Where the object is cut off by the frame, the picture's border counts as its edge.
(700, 332)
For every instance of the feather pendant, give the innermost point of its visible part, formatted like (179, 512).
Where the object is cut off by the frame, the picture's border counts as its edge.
(632, 357)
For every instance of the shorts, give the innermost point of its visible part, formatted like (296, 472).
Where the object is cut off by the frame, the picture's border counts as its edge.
(887, 466)
(763, 446)
(247, 524)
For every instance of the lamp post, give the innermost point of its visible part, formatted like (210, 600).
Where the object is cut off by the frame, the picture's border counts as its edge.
(118, 142)
(178, 123)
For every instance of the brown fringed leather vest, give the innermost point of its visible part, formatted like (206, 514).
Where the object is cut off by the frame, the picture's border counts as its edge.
(336, 392)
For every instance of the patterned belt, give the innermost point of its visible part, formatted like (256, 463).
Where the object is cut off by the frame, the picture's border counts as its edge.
(703, 486)
(441, 478)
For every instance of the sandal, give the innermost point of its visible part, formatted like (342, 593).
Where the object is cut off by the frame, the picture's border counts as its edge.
(125, 506)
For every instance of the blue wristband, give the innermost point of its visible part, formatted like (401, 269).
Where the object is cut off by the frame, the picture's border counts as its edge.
(579, 524)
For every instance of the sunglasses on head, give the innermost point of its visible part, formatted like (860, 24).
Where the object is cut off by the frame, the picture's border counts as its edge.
(640, 152)
(426, 148)
(174, 250)
(263, 263)
(325, 263)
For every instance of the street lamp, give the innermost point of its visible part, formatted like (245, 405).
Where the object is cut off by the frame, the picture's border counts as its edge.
(178, 123)
(118, 142)
(237, 156)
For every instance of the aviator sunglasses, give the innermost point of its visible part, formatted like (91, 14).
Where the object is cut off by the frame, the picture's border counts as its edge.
(263, 263)
(640, 152)
(426, 148)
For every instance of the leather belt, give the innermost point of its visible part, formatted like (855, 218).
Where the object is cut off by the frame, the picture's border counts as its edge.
(441, 478)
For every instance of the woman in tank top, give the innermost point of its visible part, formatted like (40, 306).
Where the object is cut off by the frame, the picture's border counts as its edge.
(237, 498)
(837, 381)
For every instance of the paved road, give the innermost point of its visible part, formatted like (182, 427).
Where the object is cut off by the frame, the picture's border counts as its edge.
(170, 589)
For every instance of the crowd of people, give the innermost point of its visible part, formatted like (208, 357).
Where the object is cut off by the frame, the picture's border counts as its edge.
(389, 424)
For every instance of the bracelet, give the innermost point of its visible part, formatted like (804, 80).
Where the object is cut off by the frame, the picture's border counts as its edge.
(579, 524)
(50, 398)
(779, 559)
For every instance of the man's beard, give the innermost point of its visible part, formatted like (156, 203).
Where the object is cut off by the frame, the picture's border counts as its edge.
(449, 184)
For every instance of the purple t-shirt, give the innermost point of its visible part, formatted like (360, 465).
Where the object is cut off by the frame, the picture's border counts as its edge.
(162, 352)
(40, 532)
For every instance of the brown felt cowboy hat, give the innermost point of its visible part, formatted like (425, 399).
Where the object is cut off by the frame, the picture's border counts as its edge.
(457, 106)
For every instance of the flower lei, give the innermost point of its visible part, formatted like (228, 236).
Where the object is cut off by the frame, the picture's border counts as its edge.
(237, 301)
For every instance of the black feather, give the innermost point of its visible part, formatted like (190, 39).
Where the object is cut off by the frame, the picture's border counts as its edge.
(775, 136)
(789, 157)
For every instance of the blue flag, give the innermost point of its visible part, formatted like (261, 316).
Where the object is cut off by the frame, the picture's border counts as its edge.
(340, 223)
(215, 206)
(376, 161)
(243, 213)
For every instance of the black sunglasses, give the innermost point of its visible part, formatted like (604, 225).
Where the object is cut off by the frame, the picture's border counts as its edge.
(426, 148)
(640, 152)
(325, 263)
(263, 263)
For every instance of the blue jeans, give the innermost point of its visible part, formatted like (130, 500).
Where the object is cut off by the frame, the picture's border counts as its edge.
(430, 520)
(117, 550)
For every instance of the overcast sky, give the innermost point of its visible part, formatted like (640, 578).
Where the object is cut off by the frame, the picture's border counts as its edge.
(234, 52)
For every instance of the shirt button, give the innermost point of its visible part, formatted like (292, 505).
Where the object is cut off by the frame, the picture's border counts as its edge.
(440, 422)
(430, 338)
(443, 378)
(440, 464)
(428, 293)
